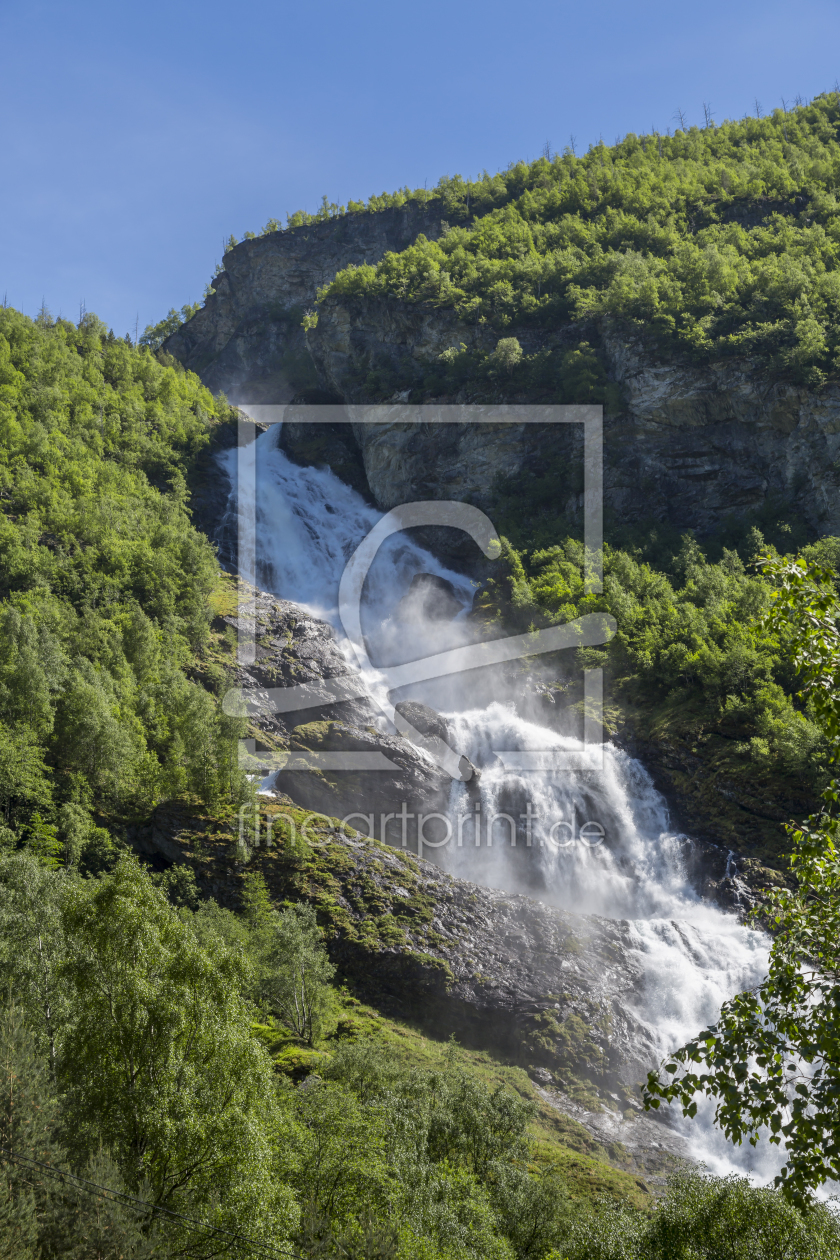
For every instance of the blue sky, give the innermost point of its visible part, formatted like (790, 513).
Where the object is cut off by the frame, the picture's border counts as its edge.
(135, 139)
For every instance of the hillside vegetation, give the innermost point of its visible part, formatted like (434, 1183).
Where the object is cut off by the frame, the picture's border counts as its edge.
(717, 241)
(691, 671)
(106, 585)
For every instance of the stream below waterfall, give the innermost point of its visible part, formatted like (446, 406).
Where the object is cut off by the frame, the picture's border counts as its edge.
(694, 956)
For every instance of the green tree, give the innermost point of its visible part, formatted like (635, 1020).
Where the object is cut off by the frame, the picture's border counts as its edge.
(507, 355)
(33, 947)
(772, 1060)
(160, 1065)
(338, 1164)
(24, 775)
(43, 843)
(27, 1118)
(257, 909)
(31, 671)
(412, 1138)
(474, 1125)
(82, 1222)
(74, 825)
(295, 972)
(45, 1210)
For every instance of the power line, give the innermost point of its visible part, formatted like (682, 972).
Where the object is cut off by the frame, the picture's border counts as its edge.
(121, 1197)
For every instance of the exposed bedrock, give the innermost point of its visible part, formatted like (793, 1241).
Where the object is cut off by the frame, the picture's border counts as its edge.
(429, 598)
(692, 445)
(248, 339)
(293, 649)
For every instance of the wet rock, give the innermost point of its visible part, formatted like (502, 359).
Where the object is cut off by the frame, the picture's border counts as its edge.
(424, 726)
(430, 598)
(292, 649)
(424, 719)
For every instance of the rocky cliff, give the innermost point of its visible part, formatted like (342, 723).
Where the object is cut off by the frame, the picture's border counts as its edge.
(690, 445)
(247, 339)
(293, 649)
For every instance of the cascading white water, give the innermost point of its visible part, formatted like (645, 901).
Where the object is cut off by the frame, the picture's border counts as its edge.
(694, 956)
(306, 525)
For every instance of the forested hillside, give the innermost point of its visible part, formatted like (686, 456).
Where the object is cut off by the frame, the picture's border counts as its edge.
(105, 584)
(716, 241)
(152, 1042)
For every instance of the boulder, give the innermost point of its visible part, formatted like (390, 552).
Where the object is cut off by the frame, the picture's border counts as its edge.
(430, 598)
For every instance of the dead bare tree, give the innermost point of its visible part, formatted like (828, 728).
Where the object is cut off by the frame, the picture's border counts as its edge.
(679, 117)
(707, 114)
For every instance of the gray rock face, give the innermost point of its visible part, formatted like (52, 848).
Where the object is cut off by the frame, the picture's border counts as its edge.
(293, 649)
(692, 446)
(518, 973)
(430, 597)
(247, 339)
(699, 445)
(423, 719)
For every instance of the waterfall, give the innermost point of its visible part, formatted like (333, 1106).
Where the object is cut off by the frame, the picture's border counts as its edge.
(693, 955)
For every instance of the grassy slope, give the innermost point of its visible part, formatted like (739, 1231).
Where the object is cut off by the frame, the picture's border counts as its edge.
(587, 1167)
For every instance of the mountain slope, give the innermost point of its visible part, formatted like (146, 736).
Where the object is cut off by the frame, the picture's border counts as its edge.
(106, 584)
